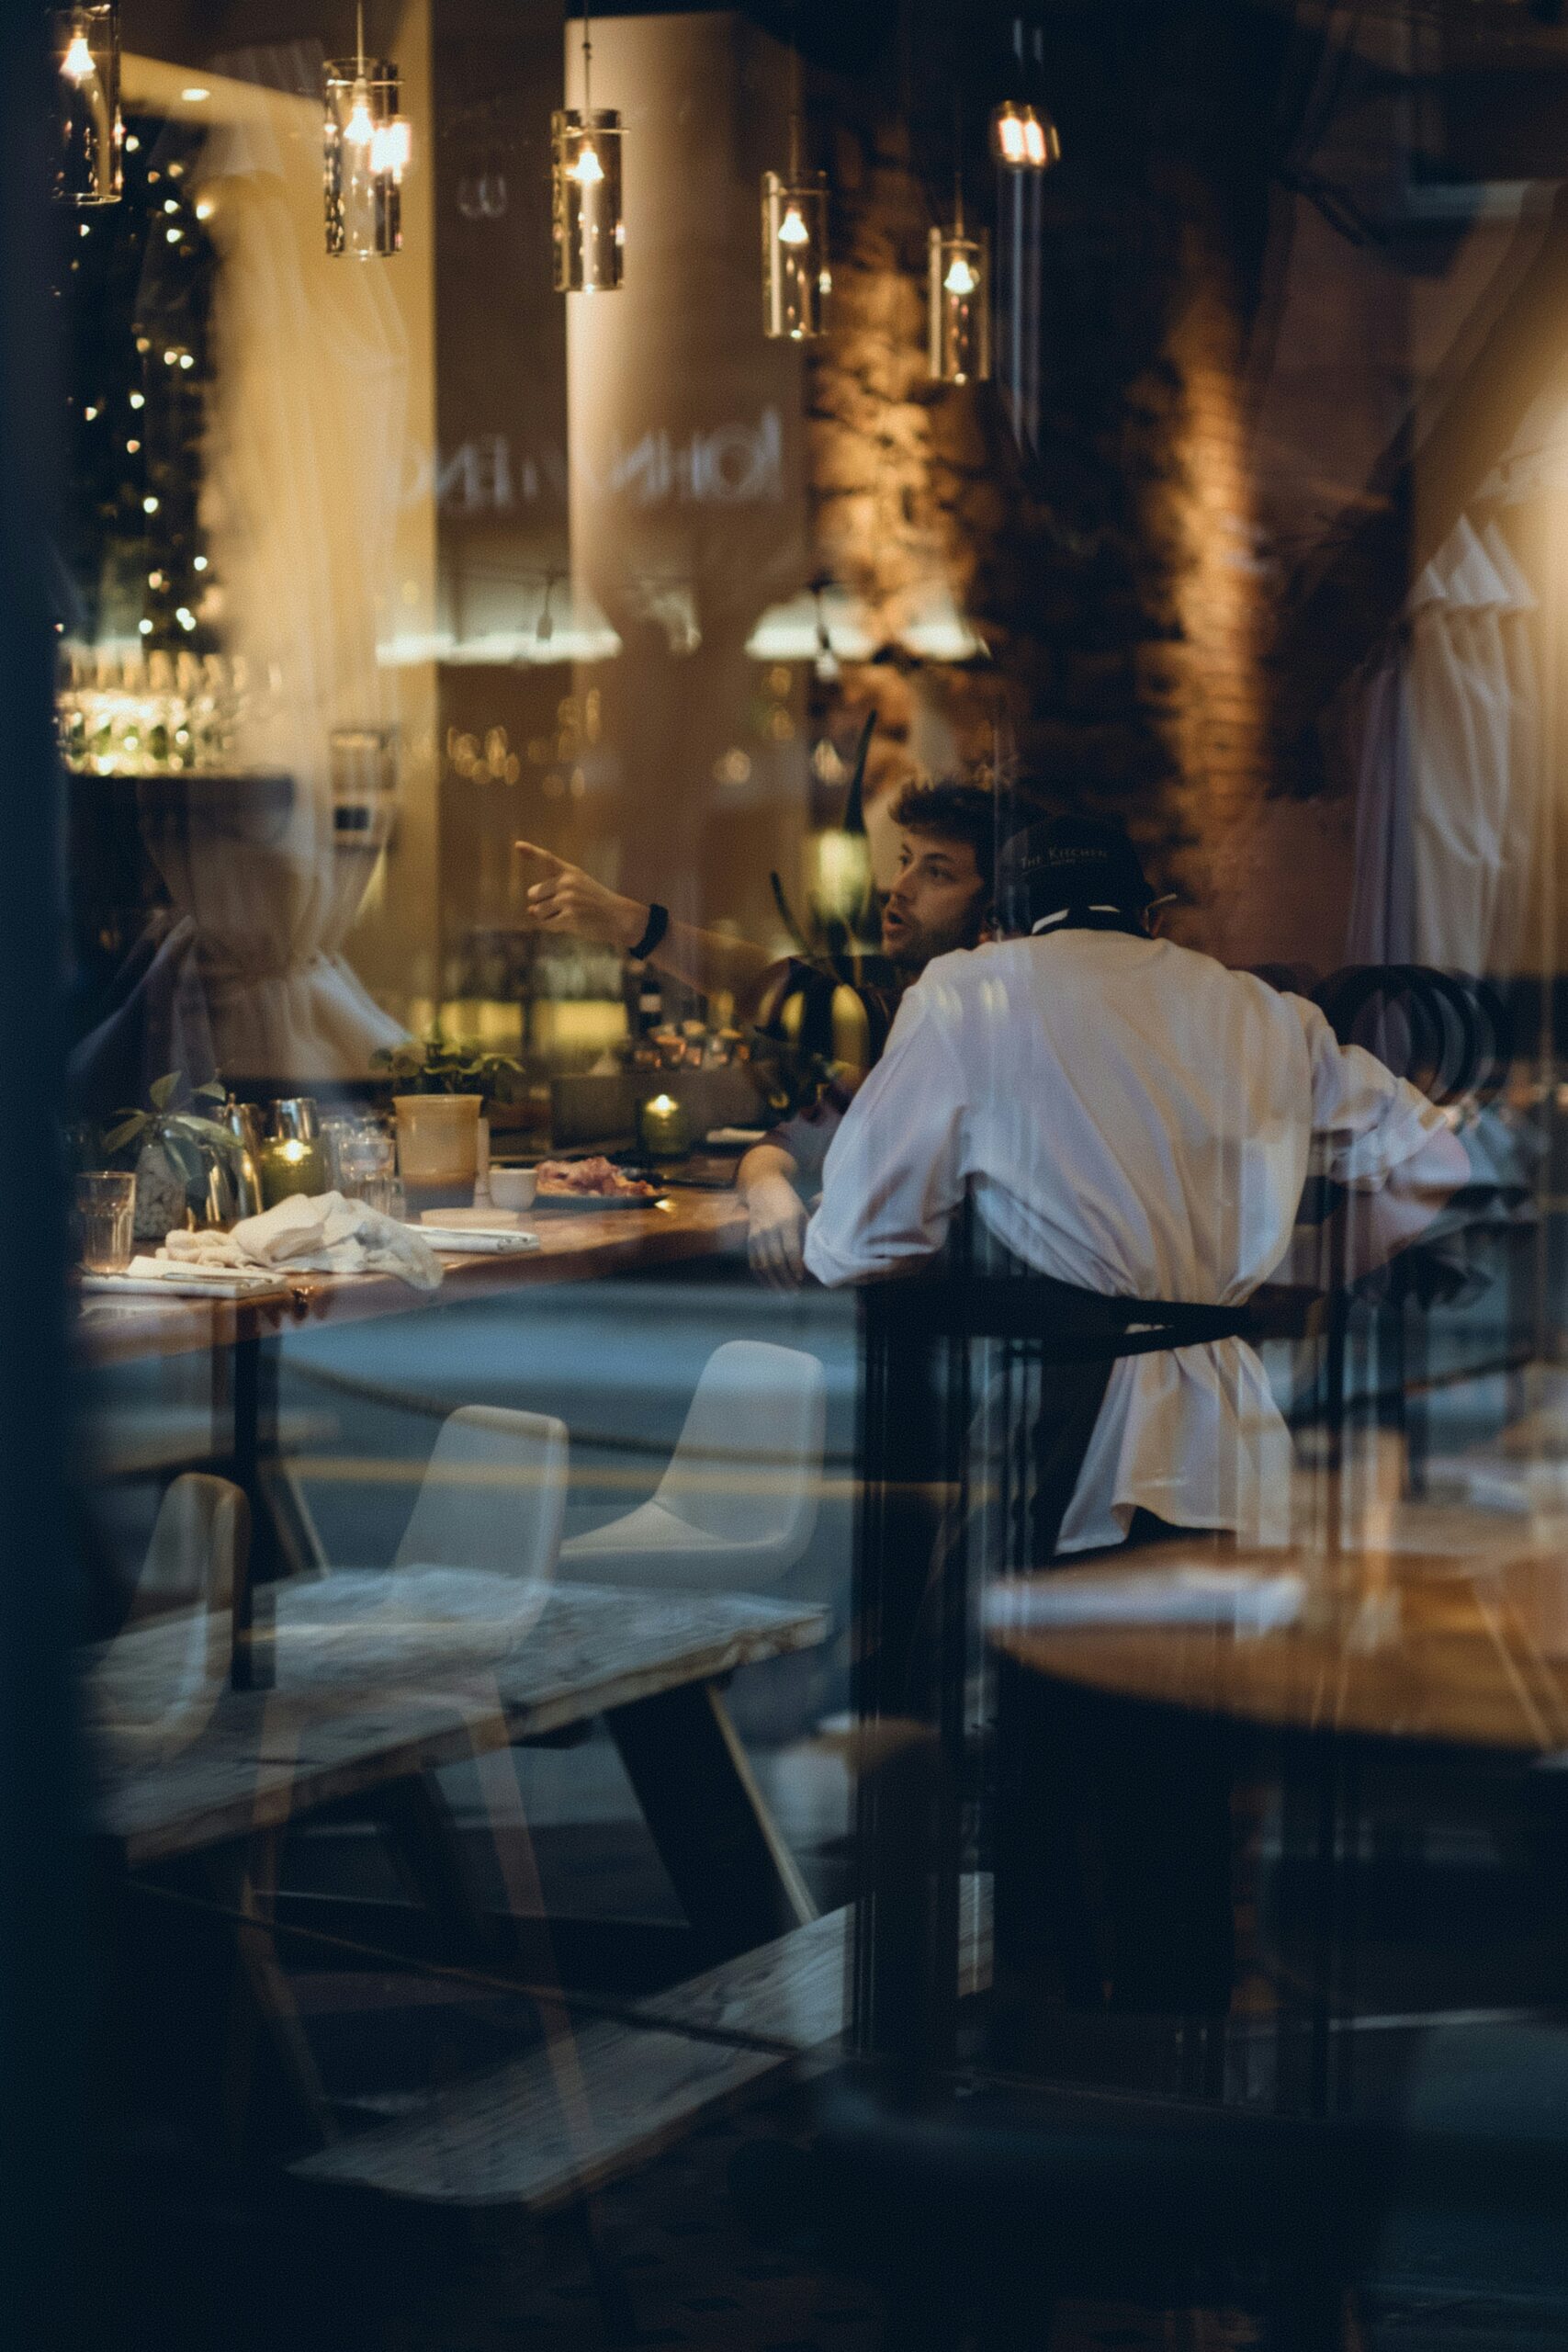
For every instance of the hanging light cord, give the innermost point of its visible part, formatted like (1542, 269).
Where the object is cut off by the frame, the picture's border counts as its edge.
(359, 39)
(794, 96)
(958, 163)
(587, 62)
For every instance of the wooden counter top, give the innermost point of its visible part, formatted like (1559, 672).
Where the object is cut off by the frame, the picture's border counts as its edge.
(1414, 1646)
(574, 1245)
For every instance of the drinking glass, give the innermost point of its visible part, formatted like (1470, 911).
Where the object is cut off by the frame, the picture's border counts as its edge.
(106, 1208)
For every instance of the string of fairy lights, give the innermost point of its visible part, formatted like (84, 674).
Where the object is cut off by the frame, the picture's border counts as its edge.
(367, 147)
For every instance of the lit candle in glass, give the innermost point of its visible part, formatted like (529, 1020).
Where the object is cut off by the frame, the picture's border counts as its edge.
(664, 1128)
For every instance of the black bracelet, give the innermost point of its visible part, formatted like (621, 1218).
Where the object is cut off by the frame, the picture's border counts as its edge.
(658, 925)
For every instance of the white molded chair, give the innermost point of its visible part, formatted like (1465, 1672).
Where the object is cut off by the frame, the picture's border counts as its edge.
(471, 1574)
(158, 1681)
(736, 1507)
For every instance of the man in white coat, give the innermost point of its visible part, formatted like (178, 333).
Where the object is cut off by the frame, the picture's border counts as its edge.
(1131, 1119)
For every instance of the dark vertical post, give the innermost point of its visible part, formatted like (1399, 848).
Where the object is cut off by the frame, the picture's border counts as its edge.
(42, 1981)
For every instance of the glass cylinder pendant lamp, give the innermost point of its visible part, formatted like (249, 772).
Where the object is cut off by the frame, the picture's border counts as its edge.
(367, 145)
(960, 304)
(89, 135)
(590, 232)
(1024, 137)
(797, 280)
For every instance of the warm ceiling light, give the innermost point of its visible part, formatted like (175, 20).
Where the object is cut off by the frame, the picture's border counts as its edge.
(1023, 139)
(367, 145)
(90, 136)
(589, 232)
(959, 308)
(196, 96)
(793, 230)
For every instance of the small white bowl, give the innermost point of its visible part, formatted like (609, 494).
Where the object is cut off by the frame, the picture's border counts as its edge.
(512, 1188)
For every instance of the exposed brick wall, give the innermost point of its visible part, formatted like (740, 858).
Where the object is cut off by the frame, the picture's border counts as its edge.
(1118, 578)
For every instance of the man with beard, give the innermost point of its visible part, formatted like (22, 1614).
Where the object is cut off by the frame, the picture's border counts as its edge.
(938, 902)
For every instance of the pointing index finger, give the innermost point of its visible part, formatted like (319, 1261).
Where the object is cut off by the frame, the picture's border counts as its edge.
(545, 857)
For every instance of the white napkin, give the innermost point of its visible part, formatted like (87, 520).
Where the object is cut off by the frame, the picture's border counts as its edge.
(1249, 1604)
(321, 1234)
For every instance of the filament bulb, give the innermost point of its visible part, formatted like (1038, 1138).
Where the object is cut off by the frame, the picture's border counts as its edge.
(588, 170)
(793, 230)
(358, 129)
(77, 62)
(959, 278)
(1012, 137)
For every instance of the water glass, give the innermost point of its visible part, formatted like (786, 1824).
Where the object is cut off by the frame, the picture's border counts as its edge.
(106, 1209)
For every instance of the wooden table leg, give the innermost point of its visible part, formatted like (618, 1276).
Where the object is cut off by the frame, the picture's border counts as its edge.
(244, 1878)
(737, 1880)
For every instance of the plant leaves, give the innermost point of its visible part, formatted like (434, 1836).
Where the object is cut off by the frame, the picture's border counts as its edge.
(787, 913)
(132, 1124)
(162, 1092)
(854, 799)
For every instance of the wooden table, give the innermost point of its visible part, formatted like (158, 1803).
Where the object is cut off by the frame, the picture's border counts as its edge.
(243, 1338)
(1400, 1646)
(574, 1245)
(651, 1663)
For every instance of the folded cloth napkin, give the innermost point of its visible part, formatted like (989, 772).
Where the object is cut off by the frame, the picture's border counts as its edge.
(319, 1234)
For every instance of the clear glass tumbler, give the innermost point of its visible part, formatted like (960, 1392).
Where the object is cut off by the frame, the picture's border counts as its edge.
(106, 1209)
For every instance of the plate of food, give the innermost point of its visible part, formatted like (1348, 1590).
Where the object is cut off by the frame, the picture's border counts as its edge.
(594, 1184)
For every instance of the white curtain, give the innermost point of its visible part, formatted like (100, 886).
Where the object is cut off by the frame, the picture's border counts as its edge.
(305, 461)
(1444, 737)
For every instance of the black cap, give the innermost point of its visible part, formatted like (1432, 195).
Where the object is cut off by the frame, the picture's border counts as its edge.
(1068, 862)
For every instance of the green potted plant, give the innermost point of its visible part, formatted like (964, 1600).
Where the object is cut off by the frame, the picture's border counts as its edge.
(180, 1155)
(438, 1092)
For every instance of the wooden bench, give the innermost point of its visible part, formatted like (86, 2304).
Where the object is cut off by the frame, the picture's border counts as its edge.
(520, 2135)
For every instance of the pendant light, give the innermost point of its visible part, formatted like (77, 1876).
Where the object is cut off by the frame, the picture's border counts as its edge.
(89, 134)
(796, 279)
(1024, 137)
(590, 234)
(959, 294)
(367, 145)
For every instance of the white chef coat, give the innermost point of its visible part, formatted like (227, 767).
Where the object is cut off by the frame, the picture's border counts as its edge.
(1134, 1119)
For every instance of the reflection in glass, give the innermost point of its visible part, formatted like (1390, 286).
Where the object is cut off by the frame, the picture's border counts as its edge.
(365, 151)
(797, 280)
(89, 135)
(590, 234)
(959, 301)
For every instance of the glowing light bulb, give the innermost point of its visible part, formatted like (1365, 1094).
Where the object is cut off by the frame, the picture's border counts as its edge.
(1034, 143)
(959, 278)
(588, 170)
(204, 208)
(198, 563)
(77, 62)
(138, 400)
(391, 146)
(358, 129)
(1012, 137)
(793, 230)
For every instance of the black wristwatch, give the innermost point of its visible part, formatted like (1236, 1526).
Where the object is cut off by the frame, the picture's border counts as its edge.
(658, 925)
